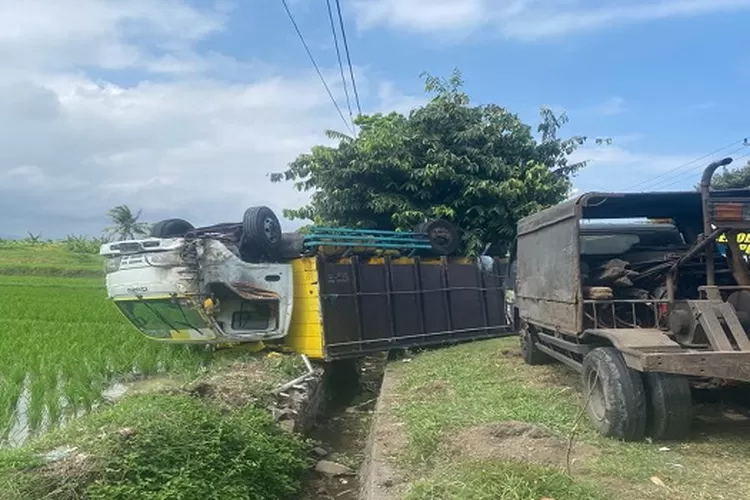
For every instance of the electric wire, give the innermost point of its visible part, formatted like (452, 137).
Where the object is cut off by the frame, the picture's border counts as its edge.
(315, 64)
(682, 166)
(348, 57)
(665, 183)
(338, 57)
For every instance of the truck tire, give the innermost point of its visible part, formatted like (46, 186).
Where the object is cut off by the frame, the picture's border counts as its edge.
(443, 236)
(530, 352)
(170, 228)
(261, 232)
(670, 406)
(615, 397)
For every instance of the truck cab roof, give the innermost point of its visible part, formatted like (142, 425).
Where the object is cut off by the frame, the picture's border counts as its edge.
(684, 207)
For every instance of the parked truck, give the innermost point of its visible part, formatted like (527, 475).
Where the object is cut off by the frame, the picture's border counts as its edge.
(642, 308)
(329, 294)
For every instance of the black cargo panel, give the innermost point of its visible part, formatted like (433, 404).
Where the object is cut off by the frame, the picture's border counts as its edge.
(369, 307)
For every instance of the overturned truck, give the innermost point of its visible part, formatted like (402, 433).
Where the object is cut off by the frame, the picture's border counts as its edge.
(644, 310)
(330, 294)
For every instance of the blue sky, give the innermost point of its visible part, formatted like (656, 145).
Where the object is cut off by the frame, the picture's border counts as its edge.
(181, 107)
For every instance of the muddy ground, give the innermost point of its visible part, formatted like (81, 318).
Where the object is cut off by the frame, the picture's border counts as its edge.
(341, 430)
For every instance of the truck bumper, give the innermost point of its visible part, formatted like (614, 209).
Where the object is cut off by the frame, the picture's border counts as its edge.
(710, 364)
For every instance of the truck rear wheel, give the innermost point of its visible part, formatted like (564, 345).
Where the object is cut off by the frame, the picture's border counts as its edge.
(615, 397)
(261, 232)
(670, 406)
(443, 236)
(531, 353)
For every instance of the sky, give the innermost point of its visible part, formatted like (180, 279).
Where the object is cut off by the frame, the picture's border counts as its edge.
(181, 108)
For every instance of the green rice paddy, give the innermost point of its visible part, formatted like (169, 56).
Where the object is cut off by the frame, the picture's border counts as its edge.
(62, 342)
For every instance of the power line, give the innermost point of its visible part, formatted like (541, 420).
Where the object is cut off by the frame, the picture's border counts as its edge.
(684, 175)
(341, 64)
(682, 166)
(315, 65)
(348, 57)
(734, 161)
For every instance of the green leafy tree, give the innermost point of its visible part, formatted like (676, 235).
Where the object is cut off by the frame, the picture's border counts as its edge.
(732, 178)
(479, 167)
(126, 224)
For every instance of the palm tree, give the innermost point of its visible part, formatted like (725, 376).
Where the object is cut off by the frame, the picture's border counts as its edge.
(125, 224)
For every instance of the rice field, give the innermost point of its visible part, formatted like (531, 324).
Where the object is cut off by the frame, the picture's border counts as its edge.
(62, 342)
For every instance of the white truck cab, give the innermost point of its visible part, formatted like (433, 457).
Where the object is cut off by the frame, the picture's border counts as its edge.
(198, 289)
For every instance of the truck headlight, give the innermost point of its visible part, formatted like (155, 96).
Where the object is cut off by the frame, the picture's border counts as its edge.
(164, 259)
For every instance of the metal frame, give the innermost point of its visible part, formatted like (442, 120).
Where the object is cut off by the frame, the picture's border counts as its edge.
(344, 237)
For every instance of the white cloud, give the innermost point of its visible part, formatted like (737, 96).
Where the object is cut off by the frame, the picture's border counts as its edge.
(391, 99)
(420, 15)
(613, 168)
(529, 19)
(199, 149)
(103, 34)
(197, 145)
(610, 107)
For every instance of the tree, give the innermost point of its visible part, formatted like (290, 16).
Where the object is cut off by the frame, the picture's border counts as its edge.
(125, 224)
(479, 167)
(732, 178)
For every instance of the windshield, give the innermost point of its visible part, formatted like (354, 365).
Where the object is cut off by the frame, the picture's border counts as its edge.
(158, 318)
(609, 244)
(603, 240)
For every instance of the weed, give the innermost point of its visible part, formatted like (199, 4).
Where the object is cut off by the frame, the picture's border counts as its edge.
(161, 446)
(83, 244)
(502, 481)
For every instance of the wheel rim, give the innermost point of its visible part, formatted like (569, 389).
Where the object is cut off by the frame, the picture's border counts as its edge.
(269, 229)
(596, 402)
(441, 236)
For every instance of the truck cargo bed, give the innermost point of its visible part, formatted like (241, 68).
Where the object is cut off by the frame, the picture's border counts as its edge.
(378, 304)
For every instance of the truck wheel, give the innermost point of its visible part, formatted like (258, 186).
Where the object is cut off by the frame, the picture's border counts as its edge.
(443, 236)
(261, 231)
(531, 353)
(170, 228)
(615, 397)
(670, 406)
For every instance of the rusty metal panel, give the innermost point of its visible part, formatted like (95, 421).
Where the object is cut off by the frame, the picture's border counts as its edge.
(734, 365)
(637, 339)
(370, 306)
(548, 273)
(549, 216)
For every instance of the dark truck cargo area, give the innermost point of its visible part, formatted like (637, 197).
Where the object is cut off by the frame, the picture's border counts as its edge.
(403, 303)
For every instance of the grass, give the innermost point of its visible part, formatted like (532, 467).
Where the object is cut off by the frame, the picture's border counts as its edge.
(502, 481)
(443, 393)
(195, 433)
(64, 341)
(48, 259)
(155, 447)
